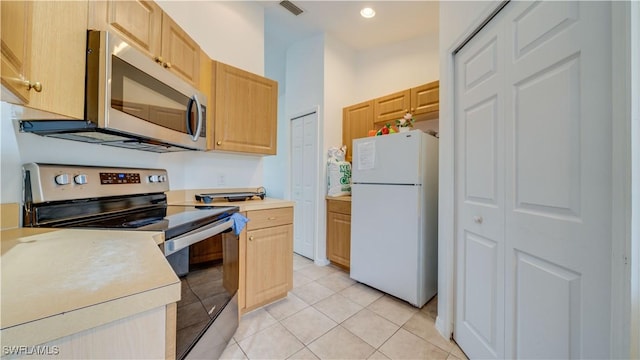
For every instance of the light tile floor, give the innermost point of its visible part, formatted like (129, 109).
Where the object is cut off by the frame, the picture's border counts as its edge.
(327, 315)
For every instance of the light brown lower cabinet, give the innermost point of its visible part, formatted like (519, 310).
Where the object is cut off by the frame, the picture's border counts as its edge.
(339, 232)
(266, 257)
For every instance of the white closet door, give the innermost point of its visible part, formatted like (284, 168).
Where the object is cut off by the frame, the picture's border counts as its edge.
(558, 188)
(480, 194)
(304, 182)
(533, 183)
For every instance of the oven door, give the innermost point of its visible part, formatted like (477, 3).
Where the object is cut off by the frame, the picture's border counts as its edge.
(207, 315)
(129, 92)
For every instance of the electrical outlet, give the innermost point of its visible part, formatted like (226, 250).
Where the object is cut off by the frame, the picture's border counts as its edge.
(222, 180)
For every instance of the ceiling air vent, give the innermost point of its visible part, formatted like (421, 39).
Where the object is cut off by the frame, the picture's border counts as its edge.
(291, 7)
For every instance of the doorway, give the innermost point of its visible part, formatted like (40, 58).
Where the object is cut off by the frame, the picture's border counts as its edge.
(304, 182)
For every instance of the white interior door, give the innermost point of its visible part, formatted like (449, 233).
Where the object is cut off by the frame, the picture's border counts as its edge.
(304, 173)
(480, 240)
(551, 145)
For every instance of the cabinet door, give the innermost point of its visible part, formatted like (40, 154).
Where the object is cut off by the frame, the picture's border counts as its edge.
(246, 111)
(269, 264)
(425, 99)
(139, 21)
(59, 46)
(357, 120)
(16, 46)
(388, 109)
(339, 238)
(180, 53)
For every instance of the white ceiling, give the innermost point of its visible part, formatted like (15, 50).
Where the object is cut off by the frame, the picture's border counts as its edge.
(394, 21)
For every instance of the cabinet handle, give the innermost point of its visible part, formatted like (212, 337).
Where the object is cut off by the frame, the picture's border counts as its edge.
(219, 143)
(250, 238)
(37, 86)
(167, 65)
(271, 218)
(478, 219)
(158, 59)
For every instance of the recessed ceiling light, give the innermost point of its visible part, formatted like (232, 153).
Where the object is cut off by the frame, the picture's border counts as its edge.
(367, 13)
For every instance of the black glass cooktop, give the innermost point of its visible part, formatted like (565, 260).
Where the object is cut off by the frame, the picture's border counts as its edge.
(174, 220)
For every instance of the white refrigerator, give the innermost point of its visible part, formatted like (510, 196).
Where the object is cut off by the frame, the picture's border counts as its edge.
(394, 214)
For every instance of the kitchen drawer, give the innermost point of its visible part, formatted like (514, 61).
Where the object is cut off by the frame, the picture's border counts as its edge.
(270, 217)
(339, 206)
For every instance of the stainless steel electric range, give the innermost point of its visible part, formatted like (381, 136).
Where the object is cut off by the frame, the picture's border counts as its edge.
(69, 196)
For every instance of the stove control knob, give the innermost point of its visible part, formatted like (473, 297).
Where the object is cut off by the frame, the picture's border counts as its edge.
(154, 178)
(162, 178)
(80, 179)
(62, 179)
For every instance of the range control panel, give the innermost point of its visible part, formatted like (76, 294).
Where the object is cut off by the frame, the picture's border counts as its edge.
(119, 178)
(50, 182)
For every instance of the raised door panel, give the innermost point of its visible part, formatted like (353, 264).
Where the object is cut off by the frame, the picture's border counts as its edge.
(246, 110)
(357, 120)
(139, 21)
(59, 46)
(425, 99)
(16, 46)
(180, 53)
(339, 238)
(392, 107)
(269, 264)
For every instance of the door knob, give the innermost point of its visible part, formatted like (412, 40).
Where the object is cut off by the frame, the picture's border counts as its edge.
(478, 219)
(250, 238)
(158, 59)
(167, 65)
(219, 143)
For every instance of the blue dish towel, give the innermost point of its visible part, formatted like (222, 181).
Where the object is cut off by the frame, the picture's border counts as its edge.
(239, 222)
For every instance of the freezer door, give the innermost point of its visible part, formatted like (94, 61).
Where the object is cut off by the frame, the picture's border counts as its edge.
(388, 159)
(386, 243)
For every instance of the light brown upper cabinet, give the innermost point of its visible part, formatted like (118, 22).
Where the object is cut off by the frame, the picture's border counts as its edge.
(245, 113)
(392, 107)
(421, 101)
(44, 54)
(144, 24)
(16, 47)
(425, 99)
(357, 120)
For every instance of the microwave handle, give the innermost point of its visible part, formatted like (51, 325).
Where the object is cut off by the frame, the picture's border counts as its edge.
(194, 99)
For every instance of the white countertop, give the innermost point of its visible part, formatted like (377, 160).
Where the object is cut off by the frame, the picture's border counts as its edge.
(60, 282)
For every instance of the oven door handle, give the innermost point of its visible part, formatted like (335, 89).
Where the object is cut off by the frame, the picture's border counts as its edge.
(190, 238)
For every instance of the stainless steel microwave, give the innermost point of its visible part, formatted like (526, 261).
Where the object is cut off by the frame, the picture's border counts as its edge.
(132, 102)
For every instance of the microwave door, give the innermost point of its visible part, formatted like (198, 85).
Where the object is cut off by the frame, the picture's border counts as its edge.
(140, 98)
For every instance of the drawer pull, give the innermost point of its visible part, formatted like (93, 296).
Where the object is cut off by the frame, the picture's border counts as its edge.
(271, 218)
